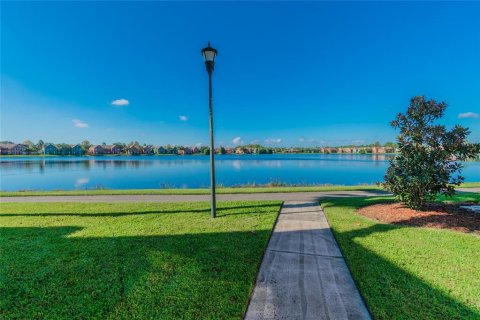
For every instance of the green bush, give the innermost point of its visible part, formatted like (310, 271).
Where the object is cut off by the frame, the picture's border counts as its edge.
(429, 154)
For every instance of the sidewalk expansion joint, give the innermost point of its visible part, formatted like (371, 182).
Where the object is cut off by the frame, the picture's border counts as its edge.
(306, 254)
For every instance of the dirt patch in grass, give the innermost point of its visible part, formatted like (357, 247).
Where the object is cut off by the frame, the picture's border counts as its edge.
(435, 215)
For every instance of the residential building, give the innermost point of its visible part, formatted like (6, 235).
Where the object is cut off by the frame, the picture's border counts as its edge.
(147, 150)
(50, 149)
(95, 150)
(13, 149)
(76, 150)
(160, 150)
(133, 150)
(112, 149)
(378, 150)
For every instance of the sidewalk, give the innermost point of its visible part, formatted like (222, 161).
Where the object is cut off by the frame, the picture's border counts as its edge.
(303, 274)
(306, 196)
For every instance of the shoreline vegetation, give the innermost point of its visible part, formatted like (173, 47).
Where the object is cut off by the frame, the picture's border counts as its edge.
(135, 148)
(170, 155)
(204, 191)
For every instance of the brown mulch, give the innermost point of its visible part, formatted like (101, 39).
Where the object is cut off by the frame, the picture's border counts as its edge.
(436, 215)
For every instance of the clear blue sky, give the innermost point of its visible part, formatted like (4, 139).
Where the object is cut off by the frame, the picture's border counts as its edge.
(286, 74)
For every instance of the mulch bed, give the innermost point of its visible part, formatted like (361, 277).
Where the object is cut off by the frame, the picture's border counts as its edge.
(435, 215)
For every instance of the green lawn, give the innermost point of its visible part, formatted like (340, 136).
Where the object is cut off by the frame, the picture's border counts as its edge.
(130, 261)
(229, 190)
(408, 272)
(470, 185)
(220, 190)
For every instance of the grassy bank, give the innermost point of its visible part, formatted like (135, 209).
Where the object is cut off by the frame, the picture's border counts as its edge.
(220, 190)
(233, 190)
(470, 185)
(408, 272)
(130, 261)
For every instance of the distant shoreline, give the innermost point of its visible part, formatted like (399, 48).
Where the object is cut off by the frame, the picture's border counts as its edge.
(182, 155)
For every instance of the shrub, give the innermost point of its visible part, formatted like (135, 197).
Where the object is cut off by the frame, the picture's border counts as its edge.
(429, 154)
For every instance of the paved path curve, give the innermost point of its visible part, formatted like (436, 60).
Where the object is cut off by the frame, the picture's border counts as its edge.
(303, 274)
(287, 196)
(307, 196)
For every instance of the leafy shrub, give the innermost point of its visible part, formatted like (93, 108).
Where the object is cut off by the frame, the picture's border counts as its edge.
(429, 154)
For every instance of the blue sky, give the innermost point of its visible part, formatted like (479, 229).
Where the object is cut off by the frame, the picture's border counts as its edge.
(307, 73)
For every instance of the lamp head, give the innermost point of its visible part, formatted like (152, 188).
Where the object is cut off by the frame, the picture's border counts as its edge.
(209, 55)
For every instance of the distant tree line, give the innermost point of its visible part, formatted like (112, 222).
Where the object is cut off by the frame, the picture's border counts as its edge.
(37, 148)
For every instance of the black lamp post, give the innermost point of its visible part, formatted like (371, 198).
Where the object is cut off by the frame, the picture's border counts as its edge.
(209, 54)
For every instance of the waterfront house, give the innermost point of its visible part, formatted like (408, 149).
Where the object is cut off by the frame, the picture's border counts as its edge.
(160, 150)
(50, 149)
(76, 150)
(239, 150)
(132, 150)
(13, 148)
(147, 150)
(378, 150)
(112, 149)
(95, 150)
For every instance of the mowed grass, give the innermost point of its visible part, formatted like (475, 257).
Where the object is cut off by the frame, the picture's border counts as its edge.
(130, 260)
(200, 191)
(408, 272)
(221, 190)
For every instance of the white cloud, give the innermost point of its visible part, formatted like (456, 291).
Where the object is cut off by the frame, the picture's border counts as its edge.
(79, 123)
(198, 144)
(237, 140)
(301, 139)
(271, 141)
(183, 118)
(469, 115)
(120, 102)
(256, 141)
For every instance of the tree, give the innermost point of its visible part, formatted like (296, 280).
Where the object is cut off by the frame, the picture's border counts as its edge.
(85, 145)
(429, 154)
(222, 150)
(40, 144)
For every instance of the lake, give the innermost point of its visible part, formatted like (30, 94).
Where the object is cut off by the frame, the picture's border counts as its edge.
(152, 172)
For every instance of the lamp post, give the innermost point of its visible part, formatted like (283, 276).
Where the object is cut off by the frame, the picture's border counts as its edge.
(209, 54)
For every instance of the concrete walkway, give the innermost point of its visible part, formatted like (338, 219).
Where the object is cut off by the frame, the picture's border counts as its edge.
(286, 196)
(306, 196)
(303, 274)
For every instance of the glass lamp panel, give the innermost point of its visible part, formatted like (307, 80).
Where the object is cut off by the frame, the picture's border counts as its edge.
(209, 55)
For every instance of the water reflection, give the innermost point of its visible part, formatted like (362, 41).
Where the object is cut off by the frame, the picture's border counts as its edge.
(193, 171)
(81, 182)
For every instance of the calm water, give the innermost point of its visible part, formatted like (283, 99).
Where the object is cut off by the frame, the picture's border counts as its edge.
(145, 172)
